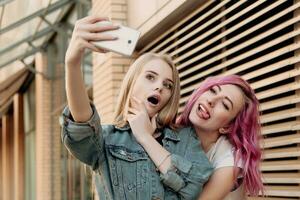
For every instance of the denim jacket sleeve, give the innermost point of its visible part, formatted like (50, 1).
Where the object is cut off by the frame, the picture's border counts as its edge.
(83, 140)
(189, 170)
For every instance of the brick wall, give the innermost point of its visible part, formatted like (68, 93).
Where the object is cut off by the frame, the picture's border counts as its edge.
(108, 69)
(49, 96)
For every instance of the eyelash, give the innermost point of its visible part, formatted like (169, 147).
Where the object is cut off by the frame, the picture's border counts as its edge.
(169, 86)
(215, 92)
(225, 106)
(150, 77)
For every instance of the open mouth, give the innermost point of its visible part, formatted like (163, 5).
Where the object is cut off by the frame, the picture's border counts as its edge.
(204, 113)
(153, 100)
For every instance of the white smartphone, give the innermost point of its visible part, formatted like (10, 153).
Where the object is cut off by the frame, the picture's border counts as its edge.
(126, 42)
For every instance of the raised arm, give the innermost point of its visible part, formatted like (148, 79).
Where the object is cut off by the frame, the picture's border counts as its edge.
(85, 31)
(81, 132)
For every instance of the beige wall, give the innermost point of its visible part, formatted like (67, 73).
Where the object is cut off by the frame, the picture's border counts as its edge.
(145, 14)
(137, 14)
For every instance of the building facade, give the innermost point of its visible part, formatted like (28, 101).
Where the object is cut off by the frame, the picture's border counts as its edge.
(258, 40)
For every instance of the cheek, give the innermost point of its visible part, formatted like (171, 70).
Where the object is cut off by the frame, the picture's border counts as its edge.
(135, 89)
(138, 91)
(223, 118)
(166, 97)
(192, 115)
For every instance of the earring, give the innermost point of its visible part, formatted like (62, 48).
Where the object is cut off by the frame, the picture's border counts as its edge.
(222, 130)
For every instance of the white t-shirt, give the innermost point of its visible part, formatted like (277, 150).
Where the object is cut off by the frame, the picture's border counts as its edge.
(221, 155)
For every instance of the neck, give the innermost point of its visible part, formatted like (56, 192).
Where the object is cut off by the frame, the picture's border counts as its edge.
(207, 138)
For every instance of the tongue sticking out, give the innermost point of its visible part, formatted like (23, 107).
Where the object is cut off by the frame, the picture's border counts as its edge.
(204, 113)
(153, 100)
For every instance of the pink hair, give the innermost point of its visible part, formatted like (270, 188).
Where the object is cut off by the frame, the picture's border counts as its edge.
(244, 129)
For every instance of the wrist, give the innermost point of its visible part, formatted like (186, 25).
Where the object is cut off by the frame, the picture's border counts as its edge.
(73, 59)
(162, 162)
(71, 65)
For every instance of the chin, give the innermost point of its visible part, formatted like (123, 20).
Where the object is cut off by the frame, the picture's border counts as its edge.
(151, 114)
(194, 119)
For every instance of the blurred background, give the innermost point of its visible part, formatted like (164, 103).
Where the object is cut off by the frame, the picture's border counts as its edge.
(258, 40)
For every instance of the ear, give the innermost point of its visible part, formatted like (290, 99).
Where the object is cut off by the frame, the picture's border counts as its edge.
(224, 130)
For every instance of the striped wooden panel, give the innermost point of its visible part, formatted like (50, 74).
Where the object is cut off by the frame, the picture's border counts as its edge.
(259, 41)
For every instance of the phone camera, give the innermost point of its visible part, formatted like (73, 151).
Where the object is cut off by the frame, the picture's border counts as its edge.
(129, 41)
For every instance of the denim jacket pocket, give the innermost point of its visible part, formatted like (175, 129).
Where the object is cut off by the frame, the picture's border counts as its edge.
(128, 170)
(123, 153)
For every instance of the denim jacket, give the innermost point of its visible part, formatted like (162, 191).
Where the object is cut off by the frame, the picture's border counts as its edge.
(123, 168)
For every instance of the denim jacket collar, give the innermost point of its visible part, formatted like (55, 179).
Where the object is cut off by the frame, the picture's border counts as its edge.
(124, 128)
(168, 134)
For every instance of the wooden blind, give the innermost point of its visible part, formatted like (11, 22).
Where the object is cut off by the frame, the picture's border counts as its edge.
(258, 40)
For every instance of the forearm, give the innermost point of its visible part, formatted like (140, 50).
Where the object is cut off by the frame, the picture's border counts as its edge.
(85, 31)
(219, 184)
(76, 94)
(158, 154)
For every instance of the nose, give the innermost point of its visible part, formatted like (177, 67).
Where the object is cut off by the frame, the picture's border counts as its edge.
(210, 103)
(159, 87)
(212, 100)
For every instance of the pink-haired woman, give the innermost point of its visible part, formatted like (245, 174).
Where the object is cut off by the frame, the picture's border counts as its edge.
(224, 113)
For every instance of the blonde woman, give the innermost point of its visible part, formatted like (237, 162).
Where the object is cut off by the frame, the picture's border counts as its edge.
(139, 156)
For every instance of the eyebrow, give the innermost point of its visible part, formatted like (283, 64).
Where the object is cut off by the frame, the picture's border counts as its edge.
(226, 97)
(153, 72)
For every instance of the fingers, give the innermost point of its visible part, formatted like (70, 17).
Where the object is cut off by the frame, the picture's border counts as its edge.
(87, 30)
(153, 121)
(136, 100)
(136, 103)
(93, 19)
(89, 24)
(98, 27)
(96, 36)
(133, 111)
(130, 118)
(93, 47)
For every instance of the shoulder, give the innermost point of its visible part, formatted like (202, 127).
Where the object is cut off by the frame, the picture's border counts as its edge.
(221, 154)
(106, 129)
(120, 137)
(223, 145)
(113, 131)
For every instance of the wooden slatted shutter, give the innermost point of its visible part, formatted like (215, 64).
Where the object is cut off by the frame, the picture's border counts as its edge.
(258, 40)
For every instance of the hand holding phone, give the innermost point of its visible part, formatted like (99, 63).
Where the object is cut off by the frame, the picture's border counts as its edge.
(124, 44)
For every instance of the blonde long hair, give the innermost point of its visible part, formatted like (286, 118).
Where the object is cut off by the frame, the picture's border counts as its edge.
(167, 115)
